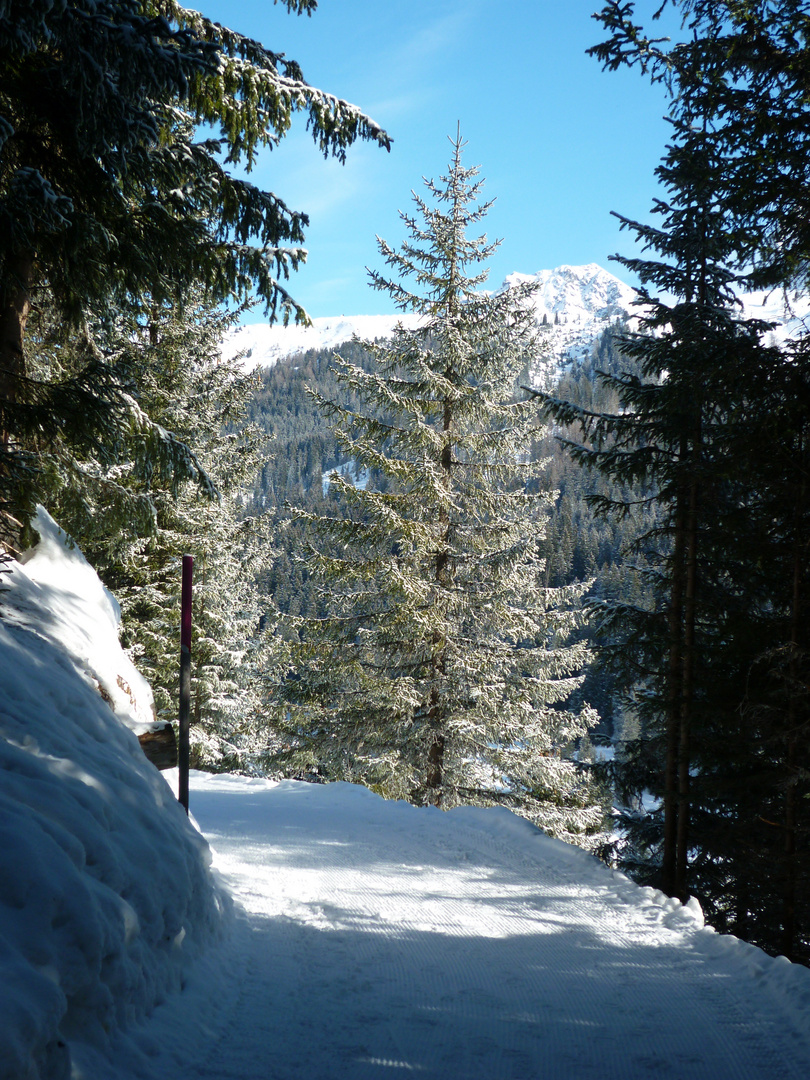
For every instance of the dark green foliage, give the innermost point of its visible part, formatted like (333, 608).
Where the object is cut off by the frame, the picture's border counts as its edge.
(577, 546)
(440, 668)
(110, 200)
(742, 68)
(135, 526)
(715, 425)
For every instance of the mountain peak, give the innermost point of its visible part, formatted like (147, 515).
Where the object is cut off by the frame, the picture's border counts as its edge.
(577, 301)
(577, 293)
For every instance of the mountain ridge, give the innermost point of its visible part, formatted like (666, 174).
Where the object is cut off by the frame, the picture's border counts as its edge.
(573, 306)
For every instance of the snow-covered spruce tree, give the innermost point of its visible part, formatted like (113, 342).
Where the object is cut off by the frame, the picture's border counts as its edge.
(134, 524)
(440, 670)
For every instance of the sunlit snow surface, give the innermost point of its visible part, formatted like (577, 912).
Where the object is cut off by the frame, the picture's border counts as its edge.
(376, 939)
(105, 893)
(368, 939)
(263, 345)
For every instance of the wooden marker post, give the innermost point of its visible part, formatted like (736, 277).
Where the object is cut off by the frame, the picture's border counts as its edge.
(185, 681)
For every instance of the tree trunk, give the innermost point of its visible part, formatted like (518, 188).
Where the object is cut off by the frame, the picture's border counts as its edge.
(443, 574)
(687, 690)
(15, 307)
(435, 770)
(674, 691)
(789, 929)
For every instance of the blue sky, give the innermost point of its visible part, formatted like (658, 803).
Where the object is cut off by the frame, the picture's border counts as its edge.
(560, 143)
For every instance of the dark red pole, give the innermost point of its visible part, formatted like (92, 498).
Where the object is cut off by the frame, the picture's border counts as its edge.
(185, 681)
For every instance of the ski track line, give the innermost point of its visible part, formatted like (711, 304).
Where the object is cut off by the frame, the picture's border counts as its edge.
(450, 955)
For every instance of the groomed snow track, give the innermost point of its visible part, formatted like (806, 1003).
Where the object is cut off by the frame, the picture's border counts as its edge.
(373, 940)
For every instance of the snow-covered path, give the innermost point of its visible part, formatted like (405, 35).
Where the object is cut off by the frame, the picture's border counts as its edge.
(375, 940)
(369, 939)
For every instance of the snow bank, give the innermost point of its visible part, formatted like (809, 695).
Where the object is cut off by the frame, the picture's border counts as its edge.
(106, 896)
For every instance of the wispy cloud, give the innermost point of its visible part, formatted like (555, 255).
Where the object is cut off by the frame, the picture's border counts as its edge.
(306, 181)
(396, 105)
(443, 33)
(413, 63)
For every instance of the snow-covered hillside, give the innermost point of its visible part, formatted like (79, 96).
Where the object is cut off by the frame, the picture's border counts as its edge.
(573, 304)
(264, 346)
(106, 897)
(577, 294)
(790, 316)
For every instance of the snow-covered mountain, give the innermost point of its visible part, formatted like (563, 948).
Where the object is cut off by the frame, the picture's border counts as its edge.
(791, 315)
(264, 346)
(574, 304)
(577, 294)
(578, 302)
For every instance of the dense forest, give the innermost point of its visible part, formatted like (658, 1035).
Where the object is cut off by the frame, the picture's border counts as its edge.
(667, 532)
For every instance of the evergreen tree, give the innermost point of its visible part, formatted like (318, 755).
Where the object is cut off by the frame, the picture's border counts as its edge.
(574, 539)
(671, 435)
(715, 429)
(135, 526)
(109, 198)
(440, 669)
(742, 67)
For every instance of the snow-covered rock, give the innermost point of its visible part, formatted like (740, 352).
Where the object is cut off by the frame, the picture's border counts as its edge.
(573, 306)
(106, 896)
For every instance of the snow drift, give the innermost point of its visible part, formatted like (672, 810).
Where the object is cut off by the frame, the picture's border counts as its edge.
(106, 895)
